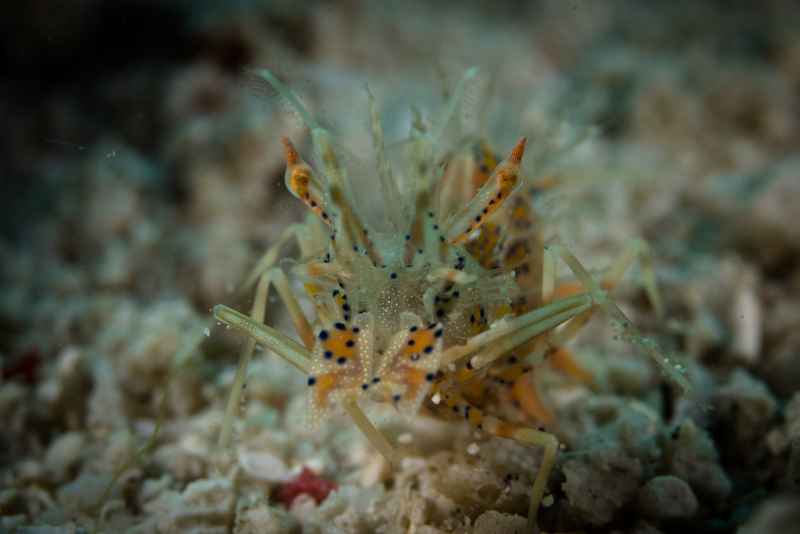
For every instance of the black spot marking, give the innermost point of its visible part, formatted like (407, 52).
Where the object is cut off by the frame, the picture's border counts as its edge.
(364, 386)
(428, 349)
(340, 326)
(393, 276)
(311, 380)
(438, 333)
(396, 397)
(341, 360)
(440, 312)
(356, 330)
(408, 237)
(350, 343)
(411, 342)
(429, 377)
(328, 355)
(413, 328)
(323, 335)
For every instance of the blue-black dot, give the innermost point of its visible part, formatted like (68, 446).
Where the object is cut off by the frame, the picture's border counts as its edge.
(346, 307)
(396, 398)
(411, 342)
(376, 380)
(312, 380)
(440, 313)
(414, 328)
(364, 386)
(340, 326)
(356, 330)
(393, 276)
(438, 333)
(350, 343)
(341, 360)
(429, 377)
(428, 349)
(408, 237)
(328, 355)
(323, 334)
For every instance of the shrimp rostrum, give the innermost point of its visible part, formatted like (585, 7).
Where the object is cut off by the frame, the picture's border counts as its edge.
(448, 299)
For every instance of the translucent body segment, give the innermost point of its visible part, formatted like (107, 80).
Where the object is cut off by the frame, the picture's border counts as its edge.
(486, 163)
(490, 197)
(523, 253)
(395, 208)
(484, 246)
(539, 320)
(375, 437)
(234, 398)
(524, 391)
(564, 360)
(302, 183)
(270, 258)
(280, 344)
(671, 369)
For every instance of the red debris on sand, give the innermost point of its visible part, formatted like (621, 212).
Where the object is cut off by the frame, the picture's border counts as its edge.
(307, 482)
(25, 367)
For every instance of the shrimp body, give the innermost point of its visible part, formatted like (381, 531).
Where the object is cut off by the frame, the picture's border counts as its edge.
(448, 309)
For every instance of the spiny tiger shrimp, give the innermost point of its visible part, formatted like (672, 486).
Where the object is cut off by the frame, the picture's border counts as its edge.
(444, 305)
